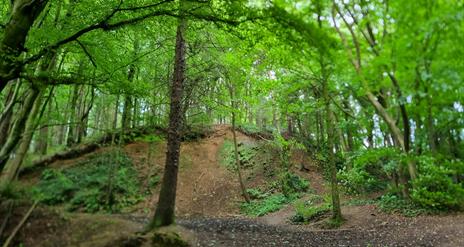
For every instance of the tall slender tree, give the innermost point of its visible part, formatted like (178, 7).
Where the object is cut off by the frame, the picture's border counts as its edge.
(165, 210)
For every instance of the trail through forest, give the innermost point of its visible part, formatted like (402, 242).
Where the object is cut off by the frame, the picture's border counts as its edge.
(208, 207)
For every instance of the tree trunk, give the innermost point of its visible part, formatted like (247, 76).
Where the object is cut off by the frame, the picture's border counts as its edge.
(349, 131)
(43, 138)
(238, 162)
(70, 140)
(84, 115)
(370, 130)
(330, 119)
(11, 168)
(7, 114)
(432, 139)
(289, 125)
(23, 15)
(404, 113)
(236, 153)
(396, 132)
(126, 113)
(135, 113)
(164, 214)
(18, 127)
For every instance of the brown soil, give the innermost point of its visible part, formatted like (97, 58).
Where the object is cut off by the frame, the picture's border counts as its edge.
(204, 187)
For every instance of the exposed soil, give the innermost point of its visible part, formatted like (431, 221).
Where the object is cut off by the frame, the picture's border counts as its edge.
(204, 187)
(208, 198)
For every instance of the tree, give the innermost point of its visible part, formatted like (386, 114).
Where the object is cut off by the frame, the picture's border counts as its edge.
(164, 214)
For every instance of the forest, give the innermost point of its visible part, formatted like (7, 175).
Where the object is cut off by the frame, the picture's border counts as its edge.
(231, 123)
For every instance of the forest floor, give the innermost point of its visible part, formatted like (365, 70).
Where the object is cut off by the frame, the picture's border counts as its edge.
(208, 205)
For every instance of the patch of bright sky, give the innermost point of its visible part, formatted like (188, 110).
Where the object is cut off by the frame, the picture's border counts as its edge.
(259, 4)
(458, 106)
(272, 75)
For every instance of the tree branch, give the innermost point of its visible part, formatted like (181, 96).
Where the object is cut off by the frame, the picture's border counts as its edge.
(87, 53)
(104, 25)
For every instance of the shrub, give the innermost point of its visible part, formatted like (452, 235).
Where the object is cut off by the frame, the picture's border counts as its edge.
(256, 193)
(392, 203)
(55, 187)
(102, 182)
(435, 188)
(293, 184)
(370, 170)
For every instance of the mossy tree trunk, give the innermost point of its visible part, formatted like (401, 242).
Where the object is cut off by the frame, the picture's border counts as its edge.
(11, 168)
(18, 127)
(6, 116)
(22, 17)
(330, 128)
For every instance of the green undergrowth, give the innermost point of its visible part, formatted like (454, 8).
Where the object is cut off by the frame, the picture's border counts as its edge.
(257, 158)
(15, 191)
(274, 198)
(268, 204)
(248, 154)
(369, 170)
(311, 209)
(439, 186)
(394, 204)
(102, 182)
(151, 138)
(264, 159)
(256, 131)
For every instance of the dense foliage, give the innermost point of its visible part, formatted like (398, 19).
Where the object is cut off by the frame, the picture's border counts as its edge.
(103, 182)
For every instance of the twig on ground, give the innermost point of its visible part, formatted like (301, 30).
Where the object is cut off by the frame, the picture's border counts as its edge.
(21, 223)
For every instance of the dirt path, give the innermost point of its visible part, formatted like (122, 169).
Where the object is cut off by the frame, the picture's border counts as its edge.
(242, 232)
(447, 231)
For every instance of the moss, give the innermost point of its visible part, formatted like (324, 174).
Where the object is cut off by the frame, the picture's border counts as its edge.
(333, 223)
(168, 239)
